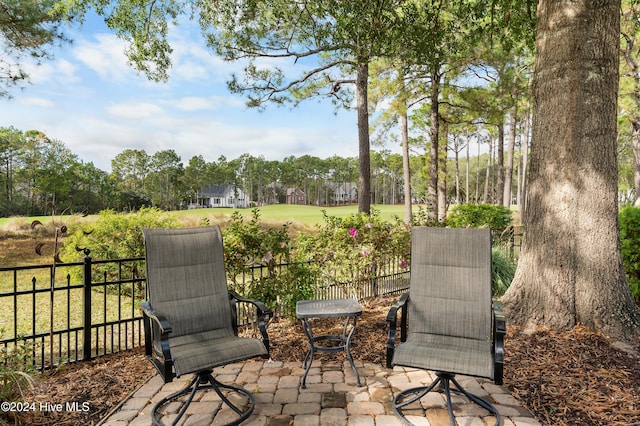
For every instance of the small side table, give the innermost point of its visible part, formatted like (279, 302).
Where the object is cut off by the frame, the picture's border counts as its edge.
(308, 309)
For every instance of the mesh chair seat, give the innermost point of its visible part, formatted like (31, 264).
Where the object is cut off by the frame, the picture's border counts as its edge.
(193, 353)
(467, 357)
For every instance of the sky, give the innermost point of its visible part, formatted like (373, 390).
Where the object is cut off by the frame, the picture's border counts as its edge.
(89, 98)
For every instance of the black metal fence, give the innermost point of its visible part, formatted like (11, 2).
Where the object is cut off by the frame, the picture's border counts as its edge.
(76, 311)
(72, 311)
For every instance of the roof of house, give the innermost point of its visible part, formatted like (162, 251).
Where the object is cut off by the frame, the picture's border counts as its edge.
(298, 191)
(214, 191)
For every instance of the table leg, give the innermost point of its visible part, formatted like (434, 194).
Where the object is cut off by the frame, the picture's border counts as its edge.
(308, 358)
(345, 345)
(347, 348)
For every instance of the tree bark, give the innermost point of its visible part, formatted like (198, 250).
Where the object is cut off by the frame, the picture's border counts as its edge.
(467, 176)
(524, 153)
(364, 179)
(500, 163)
(570, 270)
(508, 169)
(406, 168)
(487, 175)
(442, 173)
(434, 130)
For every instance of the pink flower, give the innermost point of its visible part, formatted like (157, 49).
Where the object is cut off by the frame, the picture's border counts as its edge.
(403, 264)
(368, 225)
(365, 252)
(353, 232)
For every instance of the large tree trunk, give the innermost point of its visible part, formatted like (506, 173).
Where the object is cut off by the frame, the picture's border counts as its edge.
(364, 180)
(570, 270)
(524, 153)
(487, 175)
(434, 131)
(442, 173)
(406, 169)
(508, 169)
(500, 163)
(467, 171)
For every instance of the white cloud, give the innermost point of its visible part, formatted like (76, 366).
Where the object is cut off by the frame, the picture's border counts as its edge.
(105, 56)
(35, 101)
(196, 103)
(192, 103)
(57, 71)
(134, 110)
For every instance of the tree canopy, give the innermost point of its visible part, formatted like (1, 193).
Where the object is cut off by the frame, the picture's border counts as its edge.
(27, 28)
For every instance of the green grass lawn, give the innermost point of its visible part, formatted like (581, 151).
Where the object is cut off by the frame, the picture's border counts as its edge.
(279, 213)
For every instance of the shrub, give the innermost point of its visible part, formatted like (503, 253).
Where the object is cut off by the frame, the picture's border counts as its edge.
(479, 216)
(421, 218)
(250, 244)
(503, 269)
(115, 236)
(349, 249)
(16, 371)
(629, 219)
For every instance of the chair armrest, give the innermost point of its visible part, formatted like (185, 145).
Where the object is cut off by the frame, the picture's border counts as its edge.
(163, 323)
(392, 318)
(263, 313)
(499, 332)
(261, 307)
(165, 365)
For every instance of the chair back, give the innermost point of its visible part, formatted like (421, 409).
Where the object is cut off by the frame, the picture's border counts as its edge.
(186, 279)
(450, 284)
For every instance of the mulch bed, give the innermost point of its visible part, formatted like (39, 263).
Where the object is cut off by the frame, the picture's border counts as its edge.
(568, 378)
(573, 378)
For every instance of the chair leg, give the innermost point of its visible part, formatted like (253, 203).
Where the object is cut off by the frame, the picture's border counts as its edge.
(205, 380)
(444, 380)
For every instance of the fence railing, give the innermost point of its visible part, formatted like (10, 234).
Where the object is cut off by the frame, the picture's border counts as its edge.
(77, 311)
(68, 312)
(72, 311)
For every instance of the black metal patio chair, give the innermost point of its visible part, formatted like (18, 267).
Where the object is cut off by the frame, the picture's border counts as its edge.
(448, 321)
(190, 317)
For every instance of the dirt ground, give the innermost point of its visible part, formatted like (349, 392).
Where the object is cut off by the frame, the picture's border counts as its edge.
(570, 378)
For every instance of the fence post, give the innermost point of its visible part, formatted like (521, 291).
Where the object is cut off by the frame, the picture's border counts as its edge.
(86, 305)
(374, 280)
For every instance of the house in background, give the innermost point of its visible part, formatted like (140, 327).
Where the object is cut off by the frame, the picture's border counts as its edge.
(345, 192)
(296, 196)
(220, 196)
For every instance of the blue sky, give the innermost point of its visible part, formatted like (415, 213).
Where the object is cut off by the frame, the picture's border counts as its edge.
(89, 98)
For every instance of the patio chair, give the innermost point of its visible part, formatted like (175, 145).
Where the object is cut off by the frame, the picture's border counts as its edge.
(448, 321)
(190, 318)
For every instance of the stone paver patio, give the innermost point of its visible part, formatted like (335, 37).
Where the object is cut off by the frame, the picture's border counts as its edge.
(331, 398)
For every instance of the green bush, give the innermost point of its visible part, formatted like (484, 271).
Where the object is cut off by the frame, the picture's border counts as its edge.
(16, 374)
(349, 249)
(479, 216)
(421, 218)
(250, 244)
(503, 269)
(115, 236)
(629, 219)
